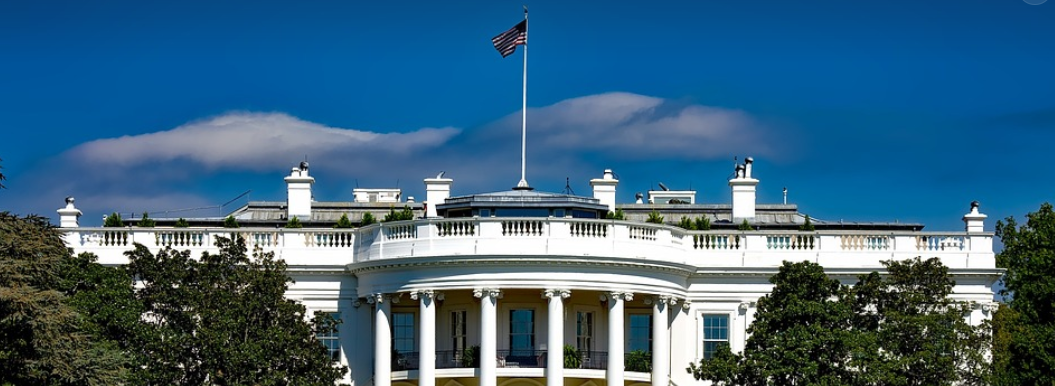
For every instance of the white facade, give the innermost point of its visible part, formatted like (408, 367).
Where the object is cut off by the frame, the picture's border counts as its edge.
(415, 295)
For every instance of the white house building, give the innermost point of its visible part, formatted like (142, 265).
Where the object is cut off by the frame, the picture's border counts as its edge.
(488, 289)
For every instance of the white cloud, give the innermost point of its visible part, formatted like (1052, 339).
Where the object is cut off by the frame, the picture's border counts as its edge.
(254, 141)
(638, 126)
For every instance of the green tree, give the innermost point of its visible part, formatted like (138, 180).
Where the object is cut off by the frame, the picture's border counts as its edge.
(1029, 283)
(617, 215)
(367, 219)
(230, 222)
(654, 217)
(43, 340)
(181, 223)
(745, 226)
(294, 222)
(405, 214)
(343, 222)
(223, 319)
(911, 333)
(807, 225)
(687, 224)
(146, 221)
(2, 178)
(113, 221)
(703, 223)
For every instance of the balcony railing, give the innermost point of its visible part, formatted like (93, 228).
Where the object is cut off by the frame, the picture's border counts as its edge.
(558, 237)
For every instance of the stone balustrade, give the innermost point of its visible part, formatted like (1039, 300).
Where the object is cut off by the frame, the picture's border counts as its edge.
(556, 237)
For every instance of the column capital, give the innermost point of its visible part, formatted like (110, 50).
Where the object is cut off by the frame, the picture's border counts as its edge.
(745, 305)
(617, 295)
(686, 304)
(377, 298)
(487, 292)
(661, 300)
(426, 294)
(556, 292)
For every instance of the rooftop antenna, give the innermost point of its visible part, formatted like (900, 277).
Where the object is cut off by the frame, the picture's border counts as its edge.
(664, 187)
(785, 195)
(567, 186)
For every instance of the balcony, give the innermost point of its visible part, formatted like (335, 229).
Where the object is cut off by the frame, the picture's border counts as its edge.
(556, 237)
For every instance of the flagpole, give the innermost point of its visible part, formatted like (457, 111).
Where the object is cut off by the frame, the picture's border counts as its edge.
(523, 184)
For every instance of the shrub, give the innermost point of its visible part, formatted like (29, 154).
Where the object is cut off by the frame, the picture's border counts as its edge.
(402, 215)
(294, 223)
(230, 222)
(745, 226)
(654, 217)
(703, 224)
(807, 226)
(182, 223)
(572, 360)
(343, 222)
(639, 360)
(146, 221)
(113, 221)
(367, 219)
(617, 215)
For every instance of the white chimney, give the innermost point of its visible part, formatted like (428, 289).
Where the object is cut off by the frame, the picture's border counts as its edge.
(70, 215)
(974, 221)
(437, 190)
(604, 189)
(298, 192)
(743, 191)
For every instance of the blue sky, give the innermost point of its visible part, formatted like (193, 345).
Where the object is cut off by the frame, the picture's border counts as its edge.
(864, 110)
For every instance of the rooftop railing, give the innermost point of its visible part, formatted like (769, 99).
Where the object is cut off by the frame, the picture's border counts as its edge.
(556, 236)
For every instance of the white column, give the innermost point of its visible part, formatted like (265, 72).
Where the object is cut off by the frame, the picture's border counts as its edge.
(616, 347)
(661, 340)
(382, 339)
(427, 332)
(488, 334)
(555, 338)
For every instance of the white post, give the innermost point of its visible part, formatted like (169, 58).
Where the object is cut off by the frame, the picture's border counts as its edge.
(973, 220)
(382, 339)
(604, 189)
(523, 115)
(427, 349)
(616, 349)
(555, 339)
(488, 335)
(70, 215)
(660, 341)
(437, 191)
(298, 192)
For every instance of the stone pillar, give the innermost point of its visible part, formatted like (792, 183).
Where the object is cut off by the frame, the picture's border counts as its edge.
(382, 338)
(427, 332)
(616, 332)
(604, 189)
(661, 340)
(437, 190)
(743, 187)
(298, 193)
(69, 216)
(488, 334)
(974, 221)
(555, 338)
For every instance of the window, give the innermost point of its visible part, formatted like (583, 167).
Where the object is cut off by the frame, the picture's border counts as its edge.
(403, 332)
(458, 331)
(331, 340)
(584, 332)
(522, 332)
(640, 333)
(715, 334)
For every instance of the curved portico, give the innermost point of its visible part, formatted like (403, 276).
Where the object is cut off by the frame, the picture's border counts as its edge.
(522, 313)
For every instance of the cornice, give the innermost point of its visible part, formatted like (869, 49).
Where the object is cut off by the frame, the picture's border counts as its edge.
(519, 260)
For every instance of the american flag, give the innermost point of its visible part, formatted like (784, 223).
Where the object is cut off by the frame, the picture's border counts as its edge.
(506, 42)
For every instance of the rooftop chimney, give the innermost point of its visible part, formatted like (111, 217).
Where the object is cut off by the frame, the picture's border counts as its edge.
(69, 216)
(437, 190)
(604, 189)
(743, 191)
(974, 221)
(298, 192)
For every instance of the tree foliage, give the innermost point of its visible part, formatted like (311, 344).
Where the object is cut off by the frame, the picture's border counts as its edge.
(43, 340)
(617, 215)
(368, 219)
(230, 222)
(343, 222)
(113, 221)
(1028, 354)
(294, 222)
(405, 214)
(745, 226)
(654, 217)
(146, 221)
(223, 319)
(895, 329)
(807, 225)
(2, 178)
(181, 223)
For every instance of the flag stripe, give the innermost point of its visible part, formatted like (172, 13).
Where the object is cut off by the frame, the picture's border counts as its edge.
(506, 42)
